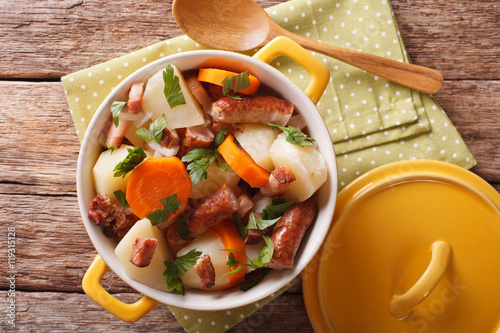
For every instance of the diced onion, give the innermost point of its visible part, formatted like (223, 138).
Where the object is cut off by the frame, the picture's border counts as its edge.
(131, 116)
(142, 121)
(162, 151)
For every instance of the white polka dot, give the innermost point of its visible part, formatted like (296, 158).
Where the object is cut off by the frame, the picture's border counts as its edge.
(386, 133)
(95, 94)
(382, 33)
(336, 36)
(441, 152)
(377, 15)
(162, 55)
(88, 107)
(467, 159)
(374, 148)
(77, 99)
(429, 148)
(368, 137)
(443, 138)
(329, 111)
(366, 7)
(415, 145)
(242, 316)
(335, 98)
(199, 320)
(371, 27)
(72, 79)
(360, 19)
(285, 19)
(257, 304)
(348, 44)
(347, 74)
(354, 32)
(337, 5)
(291, 7)
(388, 53)
(186, 317)
(370, 89)
(303, 14)
(179, 49)
(101, 81)
(308, 35)
(119, 77)
(226, 326)
(314, 22)
(334, 130)
(377, 46)
(380, 97)
(344, 169)
(454, 155)
(289, 70)
(348, 12)
(125, 64)
(357, 114)
(340, 118)
(296, 27)
(83, 86)
(389, 21)
(144, 59)
(400, 155)
(372, 162)
(342, 24)
(341, 86)
(336, 67)
(369, 121)
(445, 124)
(387, 152)
(351, 125)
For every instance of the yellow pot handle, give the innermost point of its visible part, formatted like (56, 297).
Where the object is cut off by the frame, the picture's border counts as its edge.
(320, 75)
(401, 305)
(93, 288)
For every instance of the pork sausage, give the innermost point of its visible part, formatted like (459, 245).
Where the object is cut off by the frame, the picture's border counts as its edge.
(252, 109)
(288, 233)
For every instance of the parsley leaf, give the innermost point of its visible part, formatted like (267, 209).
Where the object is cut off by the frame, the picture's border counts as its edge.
(232, 262)
(265, 256)
(134, 158)
(170, 205)
(110, 147)
(295, 136)
(256, 223)
(116, 109)
(120, 195)
(172, 89)
(155, 130)
(238, 81)
(179, 267)
(182, 229)
(276, 209)
(200, 159)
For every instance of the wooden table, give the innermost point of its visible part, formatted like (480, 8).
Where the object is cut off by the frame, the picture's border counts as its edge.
(42, 40)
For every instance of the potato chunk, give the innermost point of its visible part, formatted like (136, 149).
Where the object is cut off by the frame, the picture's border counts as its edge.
(151, 275)
(306, 163)
(215, 179)
(208, 243)
(154, 101)
(104, 181)
(257, 139)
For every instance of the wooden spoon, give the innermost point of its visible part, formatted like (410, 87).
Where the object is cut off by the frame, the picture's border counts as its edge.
(241, 25)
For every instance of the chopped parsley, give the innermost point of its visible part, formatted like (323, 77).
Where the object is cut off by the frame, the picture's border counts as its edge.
(295, 136)
(170, 205)
(116, 109)
(172, 90)
(110, 147)
(200, 159)
(238, 81)
(178, 268)
(120, 195)
(134, 158)
(277, 208)
(265, 256)
(155, 130)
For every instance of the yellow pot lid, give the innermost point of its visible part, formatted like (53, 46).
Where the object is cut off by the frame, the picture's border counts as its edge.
(414, 247)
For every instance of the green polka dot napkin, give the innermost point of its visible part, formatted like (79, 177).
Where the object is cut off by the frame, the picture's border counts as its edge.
(371, 121)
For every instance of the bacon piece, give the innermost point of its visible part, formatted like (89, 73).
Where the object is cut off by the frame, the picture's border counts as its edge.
(206, 271)
(245, 202)
(214, 208)
(114, 221)
(216, 127)
(195, 137)
(143, 251)
(297, 121)
(115, 134)
(199, 92)
(253, 236)
(288, 233)
(278, 182)
(253, 109)
(134, 104)
(169, 138)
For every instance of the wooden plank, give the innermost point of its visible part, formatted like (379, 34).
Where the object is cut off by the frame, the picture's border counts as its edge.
(64, 312)
(56, 37)
(39, 145)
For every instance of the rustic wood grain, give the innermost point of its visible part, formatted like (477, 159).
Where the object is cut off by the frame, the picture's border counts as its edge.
(48, 312)
(51, 38)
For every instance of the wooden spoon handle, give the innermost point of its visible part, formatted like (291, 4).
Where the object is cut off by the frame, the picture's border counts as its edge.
(413, 76)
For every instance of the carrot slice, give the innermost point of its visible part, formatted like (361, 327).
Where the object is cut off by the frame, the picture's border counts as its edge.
(232, 240)
(242, 163)
(215, 76)
(155, 179)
